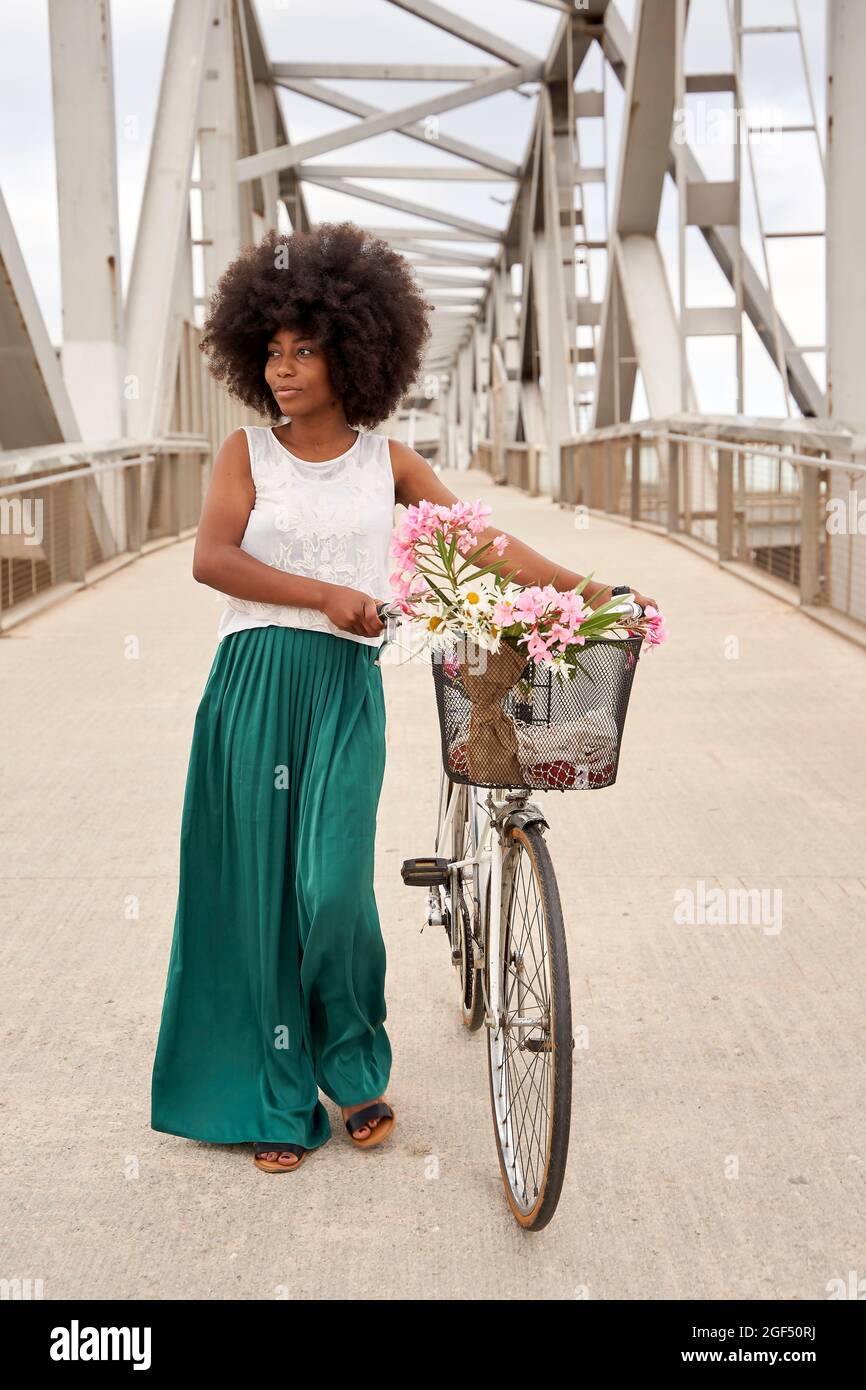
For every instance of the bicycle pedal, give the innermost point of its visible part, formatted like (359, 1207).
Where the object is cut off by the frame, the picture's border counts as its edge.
(426, 872)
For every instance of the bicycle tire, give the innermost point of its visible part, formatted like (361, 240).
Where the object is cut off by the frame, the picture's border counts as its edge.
(533, 1204)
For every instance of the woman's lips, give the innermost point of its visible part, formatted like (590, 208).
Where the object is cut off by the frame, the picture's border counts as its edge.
(287, 390)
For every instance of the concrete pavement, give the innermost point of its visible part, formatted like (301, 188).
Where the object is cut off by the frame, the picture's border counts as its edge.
(718, 1142)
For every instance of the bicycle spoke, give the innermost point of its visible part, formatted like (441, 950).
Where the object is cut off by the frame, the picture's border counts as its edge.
(522, 1125)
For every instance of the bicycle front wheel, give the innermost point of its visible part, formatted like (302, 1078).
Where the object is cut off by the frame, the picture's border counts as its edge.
(530, 1043)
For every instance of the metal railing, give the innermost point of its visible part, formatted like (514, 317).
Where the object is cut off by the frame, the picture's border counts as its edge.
(518, 466)
(786, 499)
(68, 510)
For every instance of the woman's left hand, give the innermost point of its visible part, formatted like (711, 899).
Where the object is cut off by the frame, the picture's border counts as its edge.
(644, 601)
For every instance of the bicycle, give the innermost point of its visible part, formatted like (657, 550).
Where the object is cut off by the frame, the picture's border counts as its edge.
(492, 886)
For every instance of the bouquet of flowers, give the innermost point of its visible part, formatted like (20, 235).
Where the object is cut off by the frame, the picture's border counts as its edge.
(446, 583)
(453, 590)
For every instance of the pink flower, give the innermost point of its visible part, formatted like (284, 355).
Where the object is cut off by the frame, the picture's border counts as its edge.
(573, 609)
(503, 613)
(529, 604)
(536, 646)
(499, 544)
(561, 634)
(401, 582)
(655, 628)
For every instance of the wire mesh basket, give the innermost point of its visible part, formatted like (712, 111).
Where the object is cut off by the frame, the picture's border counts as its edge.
(508, 722)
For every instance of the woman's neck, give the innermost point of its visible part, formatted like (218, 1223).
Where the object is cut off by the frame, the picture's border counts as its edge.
(317, 438)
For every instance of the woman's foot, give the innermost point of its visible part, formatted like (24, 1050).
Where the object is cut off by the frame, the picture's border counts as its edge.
(364, 1131)
(288, 1160)
(278, 1158)
(368, 1123)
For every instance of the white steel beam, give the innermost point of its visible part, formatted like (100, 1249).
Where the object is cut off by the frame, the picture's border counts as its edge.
(82, 86)
(846, 204)
(425, 255)
(35, 407)
(638, 322)
(164, 222)
(555, 294)
(453, 282)
(652, 320)
(289, 156)
(457, 173)
(419, 130)
(462, 28)
(384, 72)
(268, 126)
(428, 234)
(218, 147)
(371, 195)
(721, 240)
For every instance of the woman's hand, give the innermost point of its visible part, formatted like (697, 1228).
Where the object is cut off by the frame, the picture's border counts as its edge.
(644, 601)
(352, 611)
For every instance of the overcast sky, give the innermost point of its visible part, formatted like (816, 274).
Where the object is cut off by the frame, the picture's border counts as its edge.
(788, 168)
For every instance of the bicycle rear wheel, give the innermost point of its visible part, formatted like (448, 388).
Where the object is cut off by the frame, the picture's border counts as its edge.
(462, 904)
(530, 1044)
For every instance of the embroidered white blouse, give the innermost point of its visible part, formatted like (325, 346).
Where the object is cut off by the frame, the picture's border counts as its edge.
(331, 521)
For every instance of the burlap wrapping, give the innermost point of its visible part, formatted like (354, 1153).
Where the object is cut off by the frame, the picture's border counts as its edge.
(491, 749)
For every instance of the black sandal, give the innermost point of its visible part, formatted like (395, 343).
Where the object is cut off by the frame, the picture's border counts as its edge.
(379, 1109)
(267, 1165)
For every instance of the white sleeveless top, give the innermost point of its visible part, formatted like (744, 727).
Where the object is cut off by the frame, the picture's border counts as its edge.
(331, 521)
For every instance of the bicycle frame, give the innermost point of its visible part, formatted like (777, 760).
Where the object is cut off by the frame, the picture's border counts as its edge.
(489, 821)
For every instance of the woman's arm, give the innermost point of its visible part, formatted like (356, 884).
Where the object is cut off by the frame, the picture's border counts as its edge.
(414, 479)
(219, 562)
(218, 559)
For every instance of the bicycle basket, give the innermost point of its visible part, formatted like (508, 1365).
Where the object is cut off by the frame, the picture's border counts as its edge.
(508, 722)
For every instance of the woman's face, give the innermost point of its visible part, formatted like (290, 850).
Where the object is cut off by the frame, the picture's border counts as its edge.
(297, 373)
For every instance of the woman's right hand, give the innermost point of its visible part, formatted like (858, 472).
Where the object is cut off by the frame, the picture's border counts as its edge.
(351, 610)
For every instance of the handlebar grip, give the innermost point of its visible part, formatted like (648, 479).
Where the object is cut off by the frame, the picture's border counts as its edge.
(629, 608)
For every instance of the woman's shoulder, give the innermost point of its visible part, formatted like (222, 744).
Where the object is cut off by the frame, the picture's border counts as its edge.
(244, 435)
(387, 451)
(392, 448)
(247, 448)
(402, 457)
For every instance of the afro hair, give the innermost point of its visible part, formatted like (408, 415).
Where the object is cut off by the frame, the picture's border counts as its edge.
(349, 291)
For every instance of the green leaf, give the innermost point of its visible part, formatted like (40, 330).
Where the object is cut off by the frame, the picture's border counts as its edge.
(440, 545)
(488, 569)
(449, 603)
(473, 556)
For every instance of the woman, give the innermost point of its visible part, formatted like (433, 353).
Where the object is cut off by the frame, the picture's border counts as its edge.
(275, 984)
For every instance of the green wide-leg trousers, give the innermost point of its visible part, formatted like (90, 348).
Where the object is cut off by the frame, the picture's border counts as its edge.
(276, 975)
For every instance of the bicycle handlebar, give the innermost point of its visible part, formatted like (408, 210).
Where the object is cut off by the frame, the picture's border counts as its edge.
(391, 609)
(628, 608)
